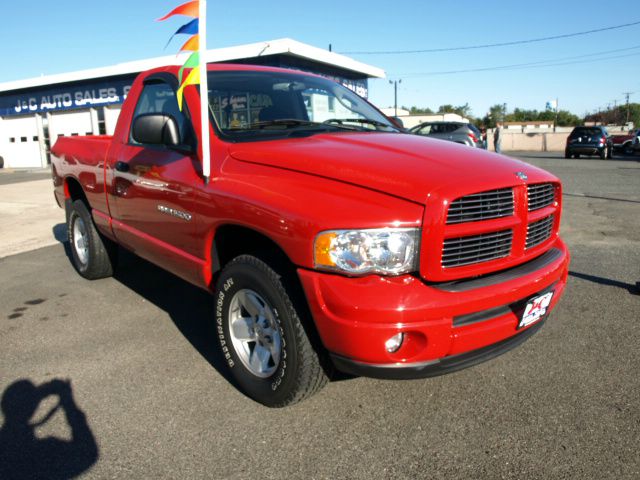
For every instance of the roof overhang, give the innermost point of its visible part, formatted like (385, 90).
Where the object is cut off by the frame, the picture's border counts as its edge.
(283, 46)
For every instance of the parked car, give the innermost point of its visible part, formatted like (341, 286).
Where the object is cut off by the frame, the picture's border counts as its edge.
(625, 143)
(589, 141)
(458, 132)
(635, 146)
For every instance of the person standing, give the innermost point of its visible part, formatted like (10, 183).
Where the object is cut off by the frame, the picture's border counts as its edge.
(497, 138)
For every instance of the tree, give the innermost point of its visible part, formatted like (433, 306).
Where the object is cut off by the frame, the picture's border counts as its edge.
(419, 111)
(616, 116)
(462, 110)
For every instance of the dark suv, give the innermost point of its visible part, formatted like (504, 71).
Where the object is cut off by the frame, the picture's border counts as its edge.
(589, 141)
(458, 132)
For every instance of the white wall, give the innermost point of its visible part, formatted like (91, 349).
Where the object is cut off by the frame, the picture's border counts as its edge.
(111, 115)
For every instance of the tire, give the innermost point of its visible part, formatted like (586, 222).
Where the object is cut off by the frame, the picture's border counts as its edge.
(603, 153)
(1, 162)
(577, 155)
(610, 153)
(92, 255)
(267, 350)
(628, 149)
(567, 154)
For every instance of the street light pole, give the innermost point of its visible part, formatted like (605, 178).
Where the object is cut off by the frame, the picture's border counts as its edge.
(395, 94)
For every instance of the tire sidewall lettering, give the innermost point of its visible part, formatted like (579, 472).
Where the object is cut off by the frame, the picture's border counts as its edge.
(225, 291)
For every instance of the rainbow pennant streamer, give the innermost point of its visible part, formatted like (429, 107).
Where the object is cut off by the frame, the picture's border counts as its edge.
(196, 65)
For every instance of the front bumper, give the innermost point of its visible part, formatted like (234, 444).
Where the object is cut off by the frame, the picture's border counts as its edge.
(447, 326)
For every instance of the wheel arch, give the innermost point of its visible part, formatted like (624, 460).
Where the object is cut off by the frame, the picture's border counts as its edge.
(73, 191)
(232, 240)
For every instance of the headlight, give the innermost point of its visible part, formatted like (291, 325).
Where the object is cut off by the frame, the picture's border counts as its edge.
(387, 251)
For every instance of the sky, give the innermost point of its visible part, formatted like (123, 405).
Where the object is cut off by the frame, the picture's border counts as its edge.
(590, 72)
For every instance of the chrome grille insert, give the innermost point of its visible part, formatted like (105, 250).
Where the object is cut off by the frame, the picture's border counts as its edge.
(538, 232)
(481, 206)
(541, 195)
(476, 249)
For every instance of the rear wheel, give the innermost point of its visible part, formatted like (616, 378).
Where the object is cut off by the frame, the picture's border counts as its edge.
(610, 153)
(92, 255)
(603, 153)
(262, 335)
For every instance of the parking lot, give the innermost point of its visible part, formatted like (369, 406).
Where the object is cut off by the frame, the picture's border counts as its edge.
(139, 352)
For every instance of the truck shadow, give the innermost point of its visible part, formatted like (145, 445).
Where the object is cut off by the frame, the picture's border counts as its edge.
(190, 308)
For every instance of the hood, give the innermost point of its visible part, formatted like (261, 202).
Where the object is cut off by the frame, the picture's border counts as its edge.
(405, 166)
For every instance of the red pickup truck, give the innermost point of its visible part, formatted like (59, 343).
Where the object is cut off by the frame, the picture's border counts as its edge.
(625, 142)
(329, 238)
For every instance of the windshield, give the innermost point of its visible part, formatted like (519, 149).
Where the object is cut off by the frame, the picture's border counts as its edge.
(250, 105)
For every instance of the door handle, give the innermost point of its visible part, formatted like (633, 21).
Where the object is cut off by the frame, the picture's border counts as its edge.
(122, 166)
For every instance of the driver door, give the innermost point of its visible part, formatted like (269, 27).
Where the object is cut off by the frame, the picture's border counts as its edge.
(152, 194)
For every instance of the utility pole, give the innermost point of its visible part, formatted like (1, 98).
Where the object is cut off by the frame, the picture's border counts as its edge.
(395, 94)
(555, 123)
(627, 95)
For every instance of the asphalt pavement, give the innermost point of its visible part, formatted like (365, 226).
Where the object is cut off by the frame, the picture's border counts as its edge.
(148, 395)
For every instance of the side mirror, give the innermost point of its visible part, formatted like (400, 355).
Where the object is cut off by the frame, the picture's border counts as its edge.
(398, 121)
(156, 129)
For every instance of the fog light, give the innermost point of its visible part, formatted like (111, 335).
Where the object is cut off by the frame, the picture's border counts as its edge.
(394, 343)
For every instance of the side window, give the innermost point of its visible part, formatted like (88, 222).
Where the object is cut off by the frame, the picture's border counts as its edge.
(161, 98)
(426, 130)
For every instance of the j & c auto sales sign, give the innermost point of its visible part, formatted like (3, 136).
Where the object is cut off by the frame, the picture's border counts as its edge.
(68, 97)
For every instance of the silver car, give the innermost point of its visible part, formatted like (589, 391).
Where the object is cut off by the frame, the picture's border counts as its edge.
(465, 133)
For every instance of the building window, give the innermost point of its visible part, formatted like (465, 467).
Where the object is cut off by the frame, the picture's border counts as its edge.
(35, 139)
(12, 140)
(23, 139)
(102, 126)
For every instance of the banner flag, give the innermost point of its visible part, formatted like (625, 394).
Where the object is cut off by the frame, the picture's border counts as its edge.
(192, 62)
(190, 28)
(191, 45)
(192, 79)
(189, 9)
(197, 64)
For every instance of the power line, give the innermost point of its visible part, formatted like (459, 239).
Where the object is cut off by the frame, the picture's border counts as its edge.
(541, 63)
(492, 45)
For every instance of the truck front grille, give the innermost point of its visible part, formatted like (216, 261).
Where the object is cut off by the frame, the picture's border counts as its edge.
(541, 195)
(538, 232)
(475, 249)
(481, 206)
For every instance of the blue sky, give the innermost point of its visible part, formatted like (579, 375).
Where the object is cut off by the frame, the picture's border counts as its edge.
(43, 37)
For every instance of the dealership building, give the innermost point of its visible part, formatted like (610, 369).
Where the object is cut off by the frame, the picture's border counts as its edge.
(35, 112)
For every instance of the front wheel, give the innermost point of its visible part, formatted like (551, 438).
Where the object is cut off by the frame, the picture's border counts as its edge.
(92, 255)
(603, 153)
(262, 335)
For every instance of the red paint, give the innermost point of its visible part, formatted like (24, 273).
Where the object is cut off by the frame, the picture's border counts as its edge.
(290, 190)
